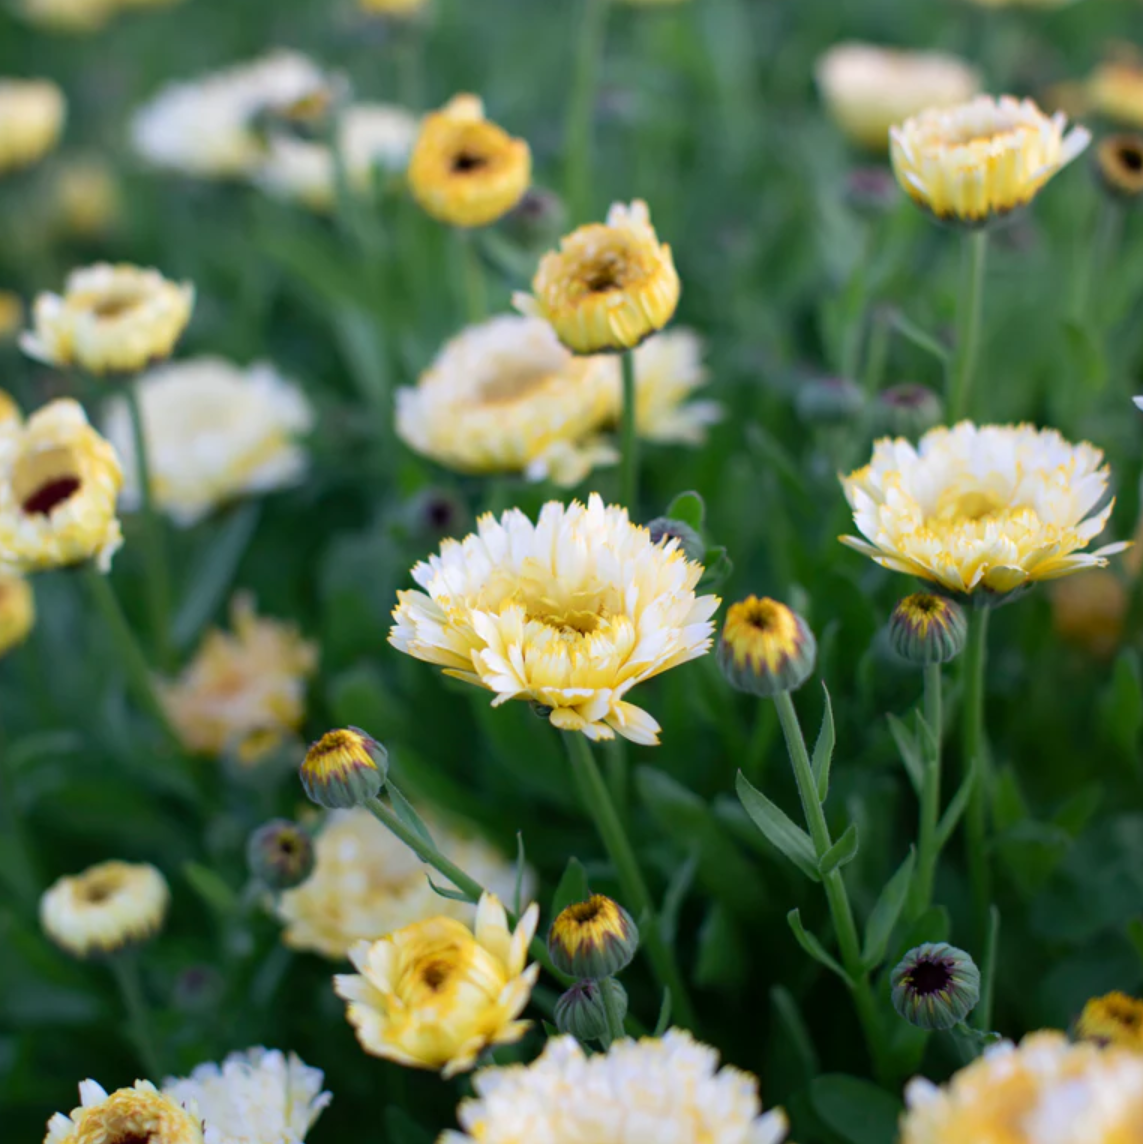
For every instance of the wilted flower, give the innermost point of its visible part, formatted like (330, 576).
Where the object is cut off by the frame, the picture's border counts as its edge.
(1115, 89)
(594, 938)
(344, 768)
(765, 647)
(17, 612)
(1089, 610)
(137, 1113)
(31, 119)
(907, 410)
(1114, 1019)
(927, 629)
(935, 986)
(1119, 161)
(280, 854)
(581, 1011)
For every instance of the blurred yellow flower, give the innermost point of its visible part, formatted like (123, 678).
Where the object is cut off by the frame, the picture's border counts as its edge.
(1114, 1019)
(31, 119)
(1119, 160)
(59, 480)
(17, 612)
(984, 509)
(609, 286)
(105, 908)
(465, 170)
(137, 1113)
(570, 612)
(1089, 610)
(435, 994)
(84, 197)
(1115, 89)
(11, 315)
(392, 7)
(110, 319)
(983, 158)
(10, 417)
(72, 16)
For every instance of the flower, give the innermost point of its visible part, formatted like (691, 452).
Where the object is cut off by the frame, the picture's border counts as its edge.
(765, 647)
(397, 9)
(935, 986)
(245, 689)
(84, 198)
(344, 768)
(609, 286)
(465, 170)
(907, 410)
(32, 115)
(1089, 611)
(11, 321)
(982, 158)
(652, 1089)
(981, 510)
(260, 1096)
(67, 15)
(1115, 89)
(105, 908)
(869, 89)
(1119, 160)
(582, 1009)
(280, 854)
(927, 629)
(505, 396)
(1043, 1090)
(10, 416)
(436, 994)
(17, 612)
(137, 1113)
(214, 432)
(58, 484)
(594, 938)
(570, 612)
(1114, 1019)
(110, 319)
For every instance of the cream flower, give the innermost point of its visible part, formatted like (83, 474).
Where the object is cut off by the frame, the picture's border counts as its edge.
(668, 1089)
(981, 509)
(84, 197)
(11, 322)
(570, 612)
(436, 994)
(366, 883)
(214, 431)
(67, 15)
(260, 1096)
(137, 1113)
(31, 119)
(17, 612)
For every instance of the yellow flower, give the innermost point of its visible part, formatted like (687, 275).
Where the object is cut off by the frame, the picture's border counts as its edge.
(436, 994)
(982, 159)
(1114, 1019)
(31, 118)
(506, 397)
(58, 484)
(1119, 159)
(395, 8)
(17, 612)
(984, 509)
(1089, 610)
(464, 170)
(344, 768)
(85, 199)
(105, 908)
(11, 318)
(110, 319)
(765, 647)
(72, 16)
(609, 286)
(244, 691)
(10, 416)
(869, 89)
(1115, 89)
(595, 938)
(570, 612)
(137, 1113)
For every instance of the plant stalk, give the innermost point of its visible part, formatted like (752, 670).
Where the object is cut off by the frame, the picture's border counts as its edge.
(126, 971)
(971, 303)
(629, 460)
(921, 892)
(975, 763)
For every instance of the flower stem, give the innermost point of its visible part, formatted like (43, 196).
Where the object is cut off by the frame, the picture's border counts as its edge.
(971, 303)
(581, 109)
(629, 461)
(472, 276)
(126, 971)
(921, 892)
(975, 764)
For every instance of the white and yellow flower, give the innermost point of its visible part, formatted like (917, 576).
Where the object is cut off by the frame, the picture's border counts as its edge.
(17, 612)
(137, 1113)
(32, 113)
(69, 16)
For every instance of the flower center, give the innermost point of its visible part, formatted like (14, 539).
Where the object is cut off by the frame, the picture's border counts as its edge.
(95, 891)
(44, 481)
(928, 977)
(605, 273)
(466, 162)
(1131, 158)
(129, 1136)
(435, 974)
(586, 912)
(513, 382)
(974, 505)
(111, 304)
(762, 616)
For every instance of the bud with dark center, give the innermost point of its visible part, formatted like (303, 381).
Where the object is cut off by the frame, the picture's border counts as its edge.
(1119, 161)
(927, 629)
(765, 648)
(663, 529)
(280, 854)
(935, 986)
(907, 410)
(344, 768)
(593, 939)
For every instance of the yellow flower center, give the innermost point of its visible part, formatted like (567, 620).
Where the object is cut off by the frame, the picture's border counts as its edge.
(43, 481)
(110, 304)
(958, 506)
(511, 384)
(763, 631)
(99, 887)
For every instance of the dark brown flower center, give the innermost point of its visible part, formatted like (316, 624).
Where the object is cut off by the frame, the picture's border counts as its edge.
(928, 977)
(49, 495)
(98, 890)
(585, 912)
(467, 161)
(130, 1136)
(435, 974)
(1131, 158)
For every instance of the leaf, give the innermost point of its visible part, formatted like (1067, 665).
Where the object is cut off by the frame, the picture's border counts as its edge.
(859, 1112)
(717, 566)
(909, 751)
(677, 889)
(982, 1015)
(1088, 361)
(778, 828)
(1121, 705)
(405, 812)
(922, 340)
(823, 748)
(453, 895)
(573, 887)
(1135, 935)
(886, 911)
(689, 508)
(214, 891)
(521, 863)
(790, 1032)
(843, 851)
(664, 1021)
(812, 946)
(401, 1128)
(724, 959)
(955, 810)
(1075, 814)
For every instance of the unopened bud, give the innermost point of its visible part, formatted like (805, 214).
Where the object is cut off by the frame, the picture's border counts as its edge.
(927, 629)
(582, 1010)
(935, 986)
(280, 854)
(594, 939)
(907, 410)
(871, 191)
(537, 220)
(663, 529)
(765, 647)
(344, 768)
(828, 400)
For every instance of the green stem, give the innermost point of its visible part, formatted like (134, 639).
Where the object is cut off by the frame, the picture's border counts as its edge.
(921, 892)
(615, 1030)
(581, 109)
(971, 303)
(974, 763)
(629, 438)
(472, 277)
(126, 971)
(982, 1014)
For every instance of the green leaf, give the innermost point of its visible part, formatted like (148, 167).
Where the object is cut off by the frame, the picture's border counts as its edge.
(664, 1021)
(789, 1030)
(982, 1015)
(689, 508)
(573, 887)
(449, 892)
(922, 340)
(955, 810)
(910, 752)
(884, 915)
(214, 891)
(401, 1128)
(521, 864)
(844, 850)
(403, 809)
(1075, 814)
(1121, 705)
(778, 828)
(859, 1112)
(717, 566)
(724, 958)
(823, 748)
(677, 889)
(1135, 935)
(812, 946)
(1088, 362)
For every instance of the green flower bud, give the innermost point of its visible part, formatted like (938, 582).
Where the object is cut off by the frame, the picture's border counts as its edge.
(664, 528)
(828, 400)
(538, 219)
(907, 410)
(926, 628)
(344, 768)
(765, 648)
(871, 191)
(593, 939)
(935, 986)
(581, 1010)
(280, 854)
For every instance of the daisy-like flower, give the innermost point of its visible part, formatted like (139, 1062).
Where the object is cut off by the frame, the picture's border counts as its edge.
(137, 1113)
(1115, 89)
(105, 908)
(505, 397)
(981, 510)
(214, 432)
(570, 612)
(31, 119)
(59, 480)
(983, 158)
(609, 286)
(109, 319)
(1044, 1091)
(653, 1089)
(11, 323)
(260, 1096)
(17, 612)
(1114, 1019)
(436, 994)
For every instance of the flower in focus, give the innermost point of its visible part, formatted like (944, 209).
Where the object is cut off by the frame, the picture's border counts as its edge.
(110, 319)
(926, 629)
(1115, 90)
(981, 509)
(1089, 611)
(504, 396)
(72, 16)
(137, 1113)
(668, 1088)
(869, 89)
(436, 994)
(31, 119)
(280, 854)
(570, 612)
(765, 647)
(595, 938)
(935, 986)
(982, 158)
(84, 197)
(1042, 1090)
(105, 908)
(260, 1096)
(344, 768)
(1114, 1019)
(59, 480)
(17, 612)
(1119, 161)
(244, 691)
(214, 432)
(11, 322)
(609, 286)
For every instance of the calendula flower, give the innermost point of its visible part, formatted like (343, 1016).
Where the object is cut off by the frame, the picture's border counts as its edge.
(260, 1096)
(17, 612)
(926, 629)
(1114, 1019)
(935, 986)
(137, 1113)
(1115, 90)
(765, 647)
(667, 1088)
(244, 691)
(11, 322)
(594, 938)
(981, 510)
(105, 908)
(393, 8)
(609, 286)
(1119, 161)
(1044, 1090)
(31, 119)
(72, 16)
(344, 768)
(982, 159)
(59, 480)
(436, 994)
(84, 199)
(465, 170)
(1089, 611)
(869, 89)
(215, 431)
(280, 854)
(570, 612)
(109, 319)
(505, 397)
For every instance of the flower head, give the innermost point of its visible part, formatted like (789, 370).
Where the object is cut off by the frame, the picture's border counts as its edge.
(17, 612)
(594, 938)
(280, 854)
(344, 768)
(31, 120)
(935, 986)
(1119, 161)
(765, 647)
(70, 16)
(907, 410)
(137, 1113)
(1114, 1019)
(1115, 90)
(435, 994)
(609, 286)
(926, 629)
(570, 612)
(396, 9)
(1089, 611)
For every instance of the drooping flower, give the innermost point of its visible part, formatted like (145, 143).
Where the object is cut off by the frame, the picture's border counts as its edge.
(137, 1113)
(765, 648)
(17, 612)
(1114, 1019)
(570, 612)
(344, 768)
(593, 939)
(32, 115)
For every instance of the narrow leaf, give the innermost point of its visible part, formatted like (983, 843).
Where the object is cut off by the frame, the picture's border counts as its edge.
(982, 1015)
(453, 895)
(573, 887)
(955, 809)
(218, 895)
(883, 917)
(664, 1021)
(403, 809)
(913, 333)
(795, 1037)
(778, 828)
(812, 946)
(842, 851)
(910, 753)
(823, 748)
(677, 890)
(518, 892)
(689, 508)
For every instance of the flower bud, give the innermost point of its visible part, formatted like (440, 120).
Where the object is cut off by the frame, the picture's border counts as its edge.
(765, 648)
(581, 1011)
(828, 400)
(1090, 610)
(871, 191)
(664, 528)
(538, 220)
(280, 854)
(1114, 1019)
(926, 629)
(1119, 162)
(907, 410)
(935, 986)
(596, 938)
(434, 513)
(344, 768)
